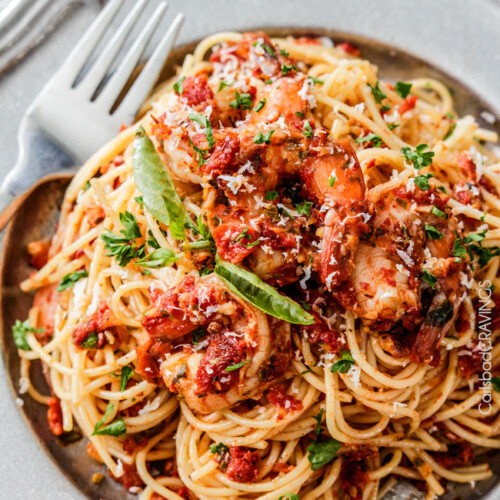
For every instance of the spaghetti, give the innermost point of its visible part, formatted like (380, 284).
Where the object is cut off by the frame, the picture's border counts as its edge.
(272, 285)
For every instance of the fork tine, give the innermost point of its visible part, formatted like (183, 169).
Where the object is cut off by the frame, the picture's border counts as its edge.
(115, 85)
(128, 108)
(80, 54)
(101, 65)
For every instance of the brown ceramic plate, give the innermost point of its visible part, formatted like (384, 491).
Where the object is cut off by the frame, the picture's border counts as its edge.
(38, 220)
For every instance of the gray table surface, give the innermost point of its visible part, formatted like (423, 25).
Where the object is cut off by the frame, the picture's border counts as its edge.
(461, 37)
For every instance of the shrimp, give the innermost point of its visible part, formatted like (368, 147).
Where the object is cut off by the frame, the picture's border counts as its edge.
(334, 176)
(408, 242)
(235, 351)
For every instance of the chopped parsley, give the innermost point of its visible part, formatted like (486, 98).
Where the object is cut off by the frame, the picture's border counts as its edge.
(90, 341)
(284, 52)
(319, 418)
(116, 428)
(270, 195)
(19, 331)
(218, 448)
(343, 365)
(315, 80)
(261, 138)
(419, 157)
(123, 247)
(392, 126)
(286, 68)
(70, 279)
(402, 89)
(308, 132)
(260, 105)
(438, 213)
(429, 278)
(373, 138)
(448, 134)
(433, 233)
(422, 181)
(245, 236)
(331, 180)
(377, 93)
(241, 101)
(223, 85)
(266, 47)
(300, 114)
(179, 85)
(304, 208)
(458, 249)
(125, 375)
(237, 365)
(205, 122)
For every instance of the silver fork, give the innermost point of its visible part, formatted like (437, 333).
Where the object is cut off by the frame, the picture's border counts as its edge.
(65, 113)
(24, 24)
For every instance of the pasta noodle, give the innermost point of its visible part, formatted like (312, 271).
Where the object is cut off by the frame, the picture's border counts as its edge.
(357, 406)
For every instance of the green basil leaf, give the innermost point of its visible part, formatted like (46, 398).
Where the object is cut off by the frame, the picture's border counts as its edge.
(289, 496)
(402, 89)
(343, 365)
(179, 85)
(70, 279)
(116, 428)
(250, 287)
(125, 375)
(322, 452)
(154, 182)
(429, 278)
(19, 330)
(91, 341)
(162, 257)
(319, 418)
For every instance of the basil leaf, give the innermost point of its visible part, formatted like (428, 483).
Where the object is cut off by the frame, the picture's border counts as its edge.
(162, 257)
(319, 418)
(125, 375)
(91, 341)
(250, 287)
(433, 233)
(70, 279)
(429, 278)
(289, 496)
(377, 93)
(322, 452)
(458, 248)
(156, 186)
(373, 138)
(343, 365)
(116, 428)
(179, 85)
(402, 89)
(19, 330)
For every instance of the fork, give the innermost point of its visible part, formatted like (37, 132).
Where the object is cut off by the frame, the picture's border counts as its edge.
(24, 24)
(67, 115)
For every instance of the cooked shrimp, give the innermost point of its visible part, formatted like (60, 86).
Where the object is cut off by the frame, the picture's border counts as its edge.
(386, 284)
(234, 354)
(334, 175)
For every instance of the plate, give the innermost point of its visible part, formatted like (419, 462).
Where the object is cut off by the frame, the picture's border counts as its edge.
(42, 215)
